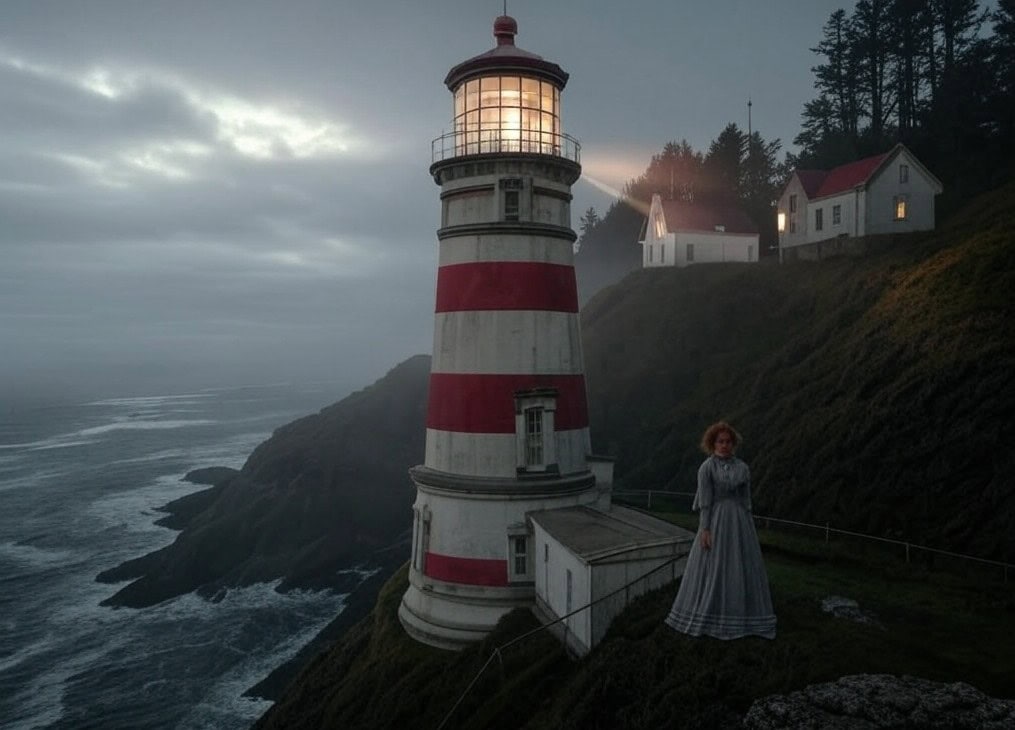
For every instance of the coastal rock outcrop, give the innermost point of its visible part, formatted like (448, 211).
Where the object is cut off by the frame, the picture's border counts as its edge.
(882, 702)
(323, 494)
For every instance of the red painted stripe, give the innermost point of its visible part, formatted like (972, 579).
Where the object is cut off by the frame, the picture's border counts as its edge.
(473, 571)
(489, 285)
(473, 403)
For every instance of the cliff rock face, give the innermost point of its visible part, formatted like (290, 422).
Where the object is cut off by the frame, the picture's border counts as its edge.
(323, 493)
(873, 394)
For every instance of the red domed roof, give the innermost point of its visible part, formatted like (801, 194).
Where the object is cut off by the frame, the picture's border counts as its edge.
(506, 56)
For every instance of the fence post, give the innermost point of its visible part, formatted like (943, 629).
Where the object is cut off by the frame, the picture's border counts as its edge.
(826, 533)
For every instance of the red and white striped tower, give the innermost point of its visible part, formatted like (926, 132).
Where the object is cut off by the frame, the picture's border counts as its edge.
(507, 422)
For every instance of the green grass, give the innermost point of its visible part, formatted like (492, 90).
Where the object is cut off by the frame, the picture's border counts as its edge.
(933, 625)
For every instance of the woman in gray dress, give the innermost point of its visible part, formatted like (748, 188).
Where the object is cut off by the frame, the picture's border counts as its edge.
(724, 592)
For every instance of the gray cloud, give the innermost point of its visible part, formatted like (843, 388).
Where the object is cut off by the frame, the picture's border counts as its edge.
(193, 193)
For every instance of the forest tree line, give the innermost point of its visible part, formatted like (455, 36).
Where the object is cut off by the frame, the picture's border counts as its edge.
(936, 75)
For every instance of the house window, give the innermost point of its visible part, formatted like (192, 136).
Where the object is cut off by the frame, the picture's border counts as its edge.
(899, 206)
(903, 173)
(836, 215)
(650, 253)
(792, 203)
(750, 253)
(792, 224)
(520, 545)
(819, 219)
(662, 253)
(546, 552)
(534, 418)
(690, 252)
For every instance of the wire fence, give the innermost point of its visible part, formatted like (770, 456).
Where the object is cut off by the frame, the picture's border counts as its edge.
(932, 557)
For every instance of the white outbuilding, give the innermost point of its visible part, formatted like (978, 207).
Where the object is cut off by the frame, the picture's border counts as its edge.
(590, 564)
(680, 233)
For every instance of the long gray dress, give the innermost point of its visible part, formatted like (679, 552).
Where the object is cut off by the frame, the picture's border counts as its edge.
(724, 592)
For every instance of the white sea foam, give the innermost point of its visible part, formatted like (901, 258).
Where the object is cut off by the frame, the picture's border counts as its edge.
(30, 480)
(135, 509)
(224, 700)
(135, 425)
(150, 400)
(35, 557)
(61, 445)
(122, 424)
(43, 645)
(42, 703)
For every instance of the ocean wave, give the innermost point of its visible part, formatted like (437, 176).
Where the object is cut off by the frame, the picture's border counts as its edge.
(22, 655)
(74, 438)
(134, 425)
(41, 703)
(30, 480)
(135, 510)
(224, 703)
(32, 556)
(149, 400)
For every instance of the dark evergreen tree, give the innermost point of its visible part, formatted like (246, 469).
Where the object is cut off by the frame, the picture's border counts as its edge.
(723, 167)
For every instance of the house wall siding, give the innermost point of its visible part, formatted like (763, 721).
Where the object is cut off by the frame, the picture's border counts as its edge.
(551, 582)
(885, 186)
(710, 248)
(800, 236)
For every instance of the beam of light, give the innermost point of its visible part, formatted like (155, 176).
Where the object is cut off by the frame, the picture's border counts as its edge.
(604, 187)
(639, 206)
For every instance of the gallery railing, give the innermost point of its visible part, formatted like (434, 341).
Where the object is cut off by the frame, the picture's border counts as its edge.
(500, 141)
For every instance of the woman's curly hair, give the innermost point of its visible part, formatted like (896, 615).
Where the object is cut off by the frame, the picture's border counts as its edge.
(712, 433)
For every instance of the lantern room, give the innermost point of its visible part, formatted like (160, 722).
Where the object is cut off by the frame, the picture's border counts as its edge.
(506, 100)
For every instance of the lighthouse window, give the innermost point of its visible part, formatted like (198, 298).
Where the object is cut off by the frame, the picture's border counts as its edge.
(521, 555)
(511, 203)
(534, 430)
(507, 114)
(534, 436)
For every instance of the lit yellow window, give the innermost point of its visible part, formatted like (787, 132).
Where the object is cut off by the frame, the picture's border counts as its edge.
(900, 208)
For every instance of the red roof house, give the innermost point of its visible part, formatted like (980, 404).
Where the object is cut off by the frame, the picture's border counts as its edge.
(888, 193)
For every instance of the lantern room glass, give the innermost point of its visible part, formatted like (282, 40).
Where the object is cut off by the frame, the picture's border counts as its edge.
(507, 114)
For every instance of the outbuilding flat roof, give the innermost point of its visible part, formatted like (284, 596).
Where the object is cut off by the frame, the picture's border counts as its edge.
(591, 534)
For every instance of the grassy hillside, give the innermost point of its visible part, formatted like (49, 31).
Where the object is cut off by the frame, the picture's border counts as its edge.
(874, 393)
(646, 675)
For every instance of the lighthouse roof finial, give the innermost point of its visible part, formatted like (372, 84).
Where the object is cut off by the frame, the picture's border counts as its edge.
(505, 28)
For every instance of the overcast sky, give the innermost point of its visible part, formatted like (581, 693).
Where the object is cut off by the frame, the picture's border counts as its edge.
(195, 194)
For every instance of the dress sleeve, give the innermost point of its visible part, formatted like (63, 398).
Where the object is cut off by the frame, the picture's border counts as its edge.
(703, 497)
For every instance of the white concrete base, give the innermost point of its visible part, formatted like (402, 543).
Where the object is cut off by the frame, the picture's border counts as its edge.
(448, 616)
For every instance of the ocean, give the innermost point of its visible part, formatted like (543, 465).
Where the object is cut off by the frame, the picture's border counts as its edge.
(79, 488)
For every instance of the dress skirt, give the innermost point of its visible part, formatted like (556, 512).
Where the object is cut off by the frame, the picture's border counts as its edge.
(724, 592)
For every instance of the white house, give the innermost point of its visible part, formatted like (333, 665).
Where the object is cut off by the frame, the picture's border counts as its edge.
(678, 233)
(887, 193)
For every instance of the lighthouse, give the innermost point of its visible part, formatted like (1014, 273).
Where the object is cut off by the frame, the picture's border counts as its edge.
(507, 421)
